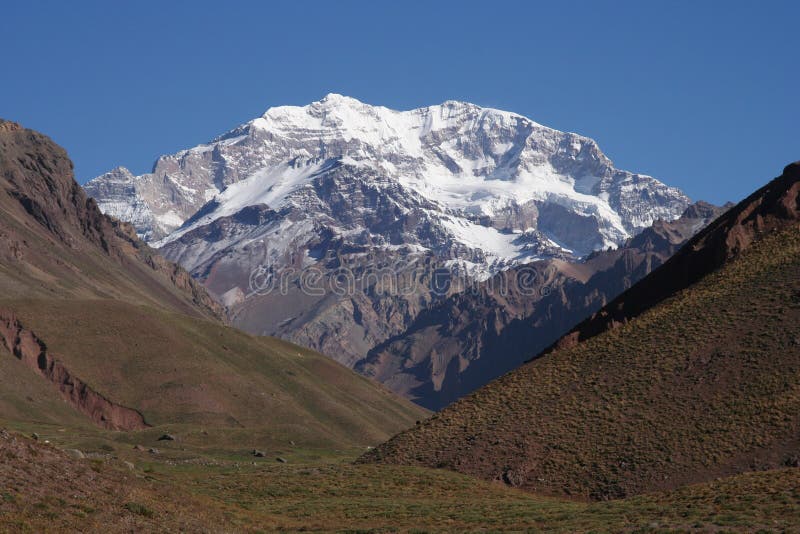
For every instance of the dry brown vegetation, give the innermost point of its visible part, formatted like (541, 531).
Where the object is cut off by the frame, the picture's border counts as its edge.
(43, 489)
(706, 384)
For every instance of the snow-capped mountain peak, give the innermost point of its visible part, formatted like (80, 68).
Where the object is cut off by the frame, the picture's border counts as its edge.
(455, 176)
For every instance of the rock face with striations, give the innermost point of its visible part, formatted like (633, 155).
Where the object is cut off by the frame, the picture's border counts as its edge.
(489, 168)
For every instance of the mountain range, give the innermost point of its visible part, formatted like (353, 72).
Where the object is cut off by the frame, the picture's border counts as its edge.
(127, 403)
(332, 225)
(690, 375)
(98, 330)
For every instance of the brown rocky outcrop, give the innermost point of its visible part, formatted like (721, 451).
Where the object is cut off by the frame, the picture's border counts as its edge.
(32, 351)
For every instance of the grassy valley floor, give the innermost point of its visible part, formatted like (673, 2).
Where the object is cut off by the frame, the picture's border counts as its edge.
(44, 488)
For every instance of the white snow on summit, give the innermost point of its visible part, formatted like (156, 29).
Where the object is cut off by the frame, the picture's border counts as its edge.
(459, 175)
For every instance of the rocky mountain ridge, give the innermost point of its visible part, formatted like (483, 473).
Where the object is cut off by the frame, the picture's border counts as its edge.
(482, 177)
(340, 193)
(72, 240)
(690, 375)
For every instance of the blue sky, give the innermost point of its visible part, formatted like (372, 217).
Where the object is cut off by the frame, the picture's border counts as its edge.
(703, 95)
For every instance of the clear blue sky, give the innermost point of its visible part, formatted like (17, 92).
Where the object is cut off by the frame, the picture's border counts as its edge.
(703, 95)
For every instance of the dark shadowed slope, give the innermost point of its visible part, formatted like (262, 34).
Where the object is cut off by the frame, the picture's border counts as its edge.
(702, 382)
(478, 335)
(96, 328)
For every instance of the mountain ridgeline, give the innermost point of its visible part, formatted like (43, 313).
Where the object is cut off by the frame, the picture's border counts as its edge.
(97, 329)
(767, 210)
(691, 374)
(477, 335)
(339, 186)
(57, 243)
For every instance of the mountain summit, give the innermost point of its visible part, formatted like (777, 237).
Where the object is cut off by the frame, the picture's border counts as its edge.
(490, 186)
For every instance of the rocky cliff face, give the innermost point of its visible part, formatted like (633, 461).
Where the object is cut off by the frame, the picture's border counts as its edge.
(306, 220)
(476, 167)
(32, 351)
